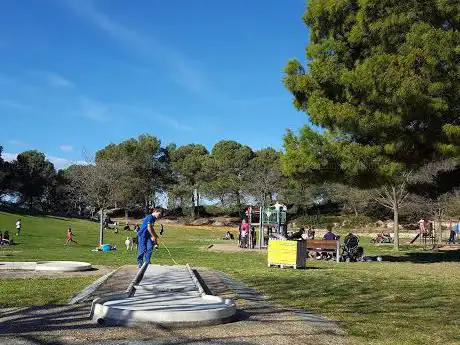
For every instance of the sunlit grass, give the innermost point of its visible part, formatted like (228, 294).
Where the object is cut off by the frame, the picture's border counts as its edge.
(413, 301)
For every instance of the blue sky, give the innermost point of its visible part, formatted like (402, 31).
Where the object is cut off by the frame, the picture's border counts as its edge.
(77, 75)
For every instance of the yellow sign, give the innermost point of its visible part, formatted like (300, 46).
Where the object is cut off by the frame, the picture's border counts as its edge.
(287, 252)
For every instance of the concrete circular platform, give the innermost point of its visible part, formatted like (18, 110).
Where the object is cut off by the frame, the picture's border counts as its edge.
(165, 309)
(63, 266)
(165, 295)
(60, 266)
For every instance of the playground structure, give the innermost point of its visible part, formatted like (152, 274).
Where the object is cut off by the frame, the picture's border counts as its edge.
(431, 232)
(270, 220)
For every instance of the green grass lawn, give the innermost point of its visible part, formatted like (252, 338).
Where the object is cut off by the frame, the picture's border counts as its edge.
(40, 291)
(412, 299)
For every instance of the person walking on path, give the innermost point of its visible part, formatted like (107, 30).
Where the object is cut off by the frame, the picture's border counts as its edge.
(18, 227)
(69, 237)
(147, 238)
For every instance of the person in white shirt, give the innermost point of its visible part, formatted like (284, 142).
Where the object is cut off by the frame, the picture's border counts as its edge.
(18, 227)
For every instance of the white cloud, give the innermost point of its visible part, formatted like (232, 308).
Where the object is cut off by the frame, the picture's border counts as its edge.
(66, 148)
(58, 162)
(181, 68)
(9, 156)
(57, 80)
(62, 163)
(94, 110)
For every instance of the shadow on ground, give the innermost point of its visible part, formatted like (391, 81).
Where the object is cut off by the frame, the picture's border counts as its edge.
(425, 257)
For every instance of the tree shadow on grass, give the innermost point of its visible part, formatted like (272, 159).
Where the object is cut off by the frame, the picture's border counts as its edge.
(425, 257)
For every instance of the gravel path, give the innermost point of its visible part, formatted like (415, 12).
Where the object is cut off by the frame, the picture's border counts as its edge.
(257, 322)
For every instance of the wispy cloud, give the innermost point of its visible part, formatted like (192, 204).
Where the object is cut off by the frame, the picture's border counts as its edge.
(66, 148)
(94, 110)
(180, 67)
(58, 162)
(146, 112)
(17, 143)
(172, 122)
(7, 103)
(57, 80)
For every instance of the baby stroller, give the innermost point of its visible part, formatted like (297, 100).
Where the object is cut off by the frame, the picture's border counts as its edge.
(351, 249)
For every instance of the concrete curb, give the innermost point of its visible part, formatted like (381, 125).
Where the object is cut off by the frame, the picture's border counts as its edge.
(195, 280)
(128, 293)
(136, 280)
(91, 288)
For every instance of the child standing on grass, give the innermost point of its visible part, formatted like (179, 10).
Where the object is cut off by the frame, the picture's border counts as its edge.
(18, 227)
(69, 237)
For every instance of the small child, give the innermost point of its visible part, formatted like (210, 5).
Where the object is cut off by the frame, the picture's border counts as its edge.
(18, 227)
(70, 237)
(129, 243)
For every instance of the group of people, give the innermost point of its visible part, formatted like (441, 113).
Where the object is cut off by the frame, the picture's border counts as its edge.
(304, 234)
(128, 228)
(5, 239)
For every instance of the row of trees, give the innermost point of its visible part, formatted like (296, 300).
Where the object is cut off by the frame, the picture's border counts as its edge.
(135, 172)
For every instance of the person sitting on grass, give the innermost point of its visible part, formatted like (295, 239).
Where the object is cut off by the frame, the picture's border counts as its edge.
(6, 238)
(126, 227)
(69, 237)
(298, 235)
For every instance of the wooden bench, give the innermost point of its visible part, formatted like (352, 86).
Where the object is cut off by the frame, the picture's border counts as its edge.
(331, 246)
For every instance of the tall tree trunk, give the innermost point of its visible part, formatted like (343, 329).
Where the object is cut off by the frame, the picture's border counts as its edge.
(126, 213)
(197, 202)
(192, 211)
(238, 199)
(396, 226)
(355, 210)
(395, 203)
(101, 231)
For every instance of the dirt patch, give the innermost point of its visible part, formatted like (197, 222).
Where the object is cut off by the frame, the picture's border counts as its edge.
(229, 247)
(449, 247)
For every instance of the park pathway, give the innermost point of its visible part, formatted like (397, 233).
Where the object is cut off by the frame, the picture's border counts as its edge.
(257, 322)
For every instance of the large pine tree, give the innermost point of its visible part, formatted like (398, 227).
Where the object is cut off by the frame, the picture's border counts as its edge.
(383, 82)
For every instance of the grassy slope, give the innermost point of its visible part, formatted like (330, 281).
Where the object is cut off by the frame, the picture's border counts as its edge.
(379, 303)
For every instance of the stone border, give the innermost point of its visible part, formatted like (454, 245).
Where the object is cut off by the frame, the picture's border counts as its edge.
(87, 291)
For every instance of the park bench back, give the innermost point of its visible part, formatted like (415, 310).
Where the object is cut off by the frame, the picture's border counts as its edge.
(325, 245)
(322, 244)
